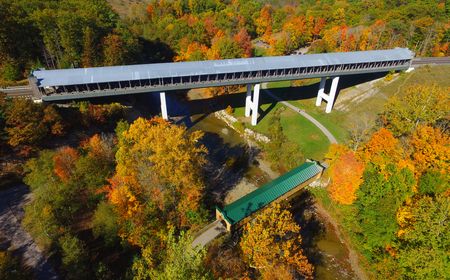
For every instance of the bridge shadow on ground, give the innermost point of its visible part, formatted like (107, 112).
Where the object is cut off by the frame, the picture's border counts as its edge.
(207, 106)
(295, 93)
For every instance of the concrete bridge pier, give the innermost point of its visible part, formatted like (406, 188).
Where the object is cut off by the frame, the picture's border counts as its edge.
(252, 105)
(162, 97)
(329, 98)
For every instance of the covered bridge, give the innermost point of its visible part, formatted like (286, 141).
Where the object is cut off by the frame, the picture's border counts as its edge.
(246, 208)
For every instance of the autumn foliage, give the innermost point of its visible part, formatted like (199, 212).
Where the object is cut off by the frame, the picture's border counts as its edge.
(347, 176)
(65, 160)
(157, 161)
(273, 240)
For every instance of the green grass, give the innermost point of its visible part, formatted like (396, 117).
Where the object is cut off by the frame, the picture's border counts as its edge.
(259, 52)
(304, 97)
(298, 129)
(420, 75)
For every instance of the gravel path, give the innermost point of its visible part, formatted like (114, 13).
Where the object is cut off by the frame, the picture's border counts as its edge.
(11, 228)
(318, 124)
(216, 228)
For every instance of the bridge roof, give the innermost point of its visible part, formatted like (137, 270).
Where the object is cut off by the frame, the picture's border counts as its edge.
(259, 198)
(185, 69)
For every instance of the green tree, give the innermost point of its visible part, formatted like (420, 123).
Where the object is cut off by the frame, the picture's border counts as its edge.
(11, 269)
(425, 253)
(379, 198)
(434, 182)
(180, 261)
(75, 257)
(105, 224)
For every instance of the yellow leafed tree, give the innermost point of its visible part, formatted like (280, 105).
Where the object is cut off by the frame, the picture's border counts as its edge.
(161, 162)
(273, 240)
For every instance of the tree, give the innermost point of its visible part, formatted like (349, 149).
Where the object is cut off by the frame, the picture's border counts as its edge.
(263, 20)
(297, 30)
(379, 199)
(158, 178)
(382, 149)
(11, 269)
(244, 41)
(65, 160)
(431, 149)
(113, 50)
(425, 253)
(105, 224)
(75, 257)
(346, 178)
(332, 157)
(29, 123)
(420, 105)
(180, 261)
(273, 240)
(359, 128)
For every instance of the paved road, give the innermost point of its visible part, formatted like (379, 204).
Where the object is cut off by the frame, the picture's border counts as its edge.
(431, 60)
(209, 235)
(11, 228)
(318, 124)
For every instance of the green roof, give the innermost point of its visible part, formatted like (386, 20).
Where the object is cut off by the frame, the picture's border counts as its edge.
(259, 198)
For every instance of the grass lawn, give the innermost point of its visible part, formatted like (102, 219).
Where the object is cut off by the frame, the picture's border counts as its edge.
(312, 141)
(304, 97)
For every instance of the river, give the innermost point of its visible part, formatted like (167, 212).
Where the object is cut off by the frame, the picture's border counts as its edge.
(237, 168)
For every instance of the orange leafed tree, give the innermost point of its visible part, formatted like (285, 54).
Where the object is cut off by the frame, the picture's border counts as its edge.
(334, 153)
(65, 160)
(431, 149)
(264, 20)
(382, 149)
(346, 179)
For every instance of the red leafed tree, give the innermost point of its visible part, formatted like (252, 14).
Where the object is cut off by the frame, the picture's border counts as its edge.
(319, 24)
(65, 160)
(244, 41)
(211, 29)
(347, 177)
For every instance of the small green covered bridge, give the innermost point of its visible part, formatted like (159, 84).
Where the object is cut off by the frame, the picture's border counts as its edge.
(246, 208)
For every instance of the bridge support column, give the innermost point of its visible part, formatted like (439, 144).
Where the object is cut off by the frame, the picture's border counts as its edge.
(248, 101)
(252, 105)
(329, 98)
(162, 97)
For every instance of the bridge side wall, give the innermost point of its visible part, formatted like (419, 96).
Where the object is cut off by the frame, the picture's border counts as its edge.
(213, 83)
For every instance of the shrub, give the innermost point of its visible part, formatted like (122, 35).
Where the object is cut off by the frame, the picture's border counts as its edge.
(239, 127)
(229, 110)
(10, 268)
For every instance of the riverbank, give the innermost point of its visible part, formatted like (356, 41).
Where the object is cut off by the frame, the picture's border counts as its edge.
(353, 258)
